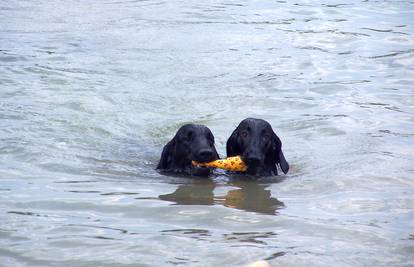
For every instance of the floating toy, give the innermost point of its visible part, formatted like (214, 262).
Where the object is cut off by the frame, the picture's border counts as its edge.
(230, 164)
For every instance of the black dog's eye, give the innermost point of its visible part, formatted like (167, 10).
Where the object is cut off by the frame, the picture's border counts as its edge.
(244, 134)
(265, 137)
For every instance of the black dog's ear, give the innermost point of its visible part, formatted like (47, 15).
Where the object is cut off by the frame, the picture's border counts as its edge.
(232, 146)
(284, 165)
(215, 151)
(278, 154)
(214, 148)
(166, 156)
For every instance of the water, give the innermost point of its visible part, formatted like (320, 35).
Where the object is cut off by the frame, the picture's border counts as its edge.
(90, 91)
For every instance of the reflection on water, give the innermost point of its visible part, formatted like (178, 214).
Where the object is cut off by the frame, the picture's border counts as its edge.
(90, 91)
(250, 196)
(193, 194)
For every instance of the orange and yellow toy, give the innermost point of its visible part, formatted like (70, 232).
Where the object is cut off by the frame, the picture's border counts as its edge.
(230, 164)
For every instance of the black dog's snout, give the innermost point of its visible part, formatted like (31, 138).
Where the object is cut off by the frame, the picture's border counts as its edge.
(206, 155)
(253, 160)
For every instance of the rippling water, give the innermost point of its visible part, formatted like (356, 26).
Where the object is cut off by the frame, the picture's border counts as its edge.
(90, 91)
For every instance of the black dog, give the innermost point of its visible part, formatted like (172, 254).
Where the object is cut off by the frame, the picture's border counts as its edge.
(191, 142)
(259, 147)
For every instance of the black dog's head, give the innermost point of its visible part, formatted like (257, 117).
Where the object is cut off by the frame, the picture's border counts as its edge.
(191, 142)
(259, 147)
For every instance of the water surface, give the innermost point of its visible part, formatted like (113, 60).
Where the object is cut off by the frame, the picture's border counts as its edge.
(90, 91)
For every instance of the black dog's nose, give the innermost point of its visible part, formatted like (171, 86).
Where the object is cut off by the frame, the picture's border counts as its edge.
(252, 160)
(205, 154)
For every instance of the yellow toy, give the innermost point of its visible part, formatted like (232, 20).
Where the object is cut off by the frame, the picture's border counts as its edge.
(230, 164)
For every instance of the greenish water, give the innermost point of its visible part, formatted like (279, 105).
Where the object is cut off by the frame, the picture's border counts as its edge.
(90, 91)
